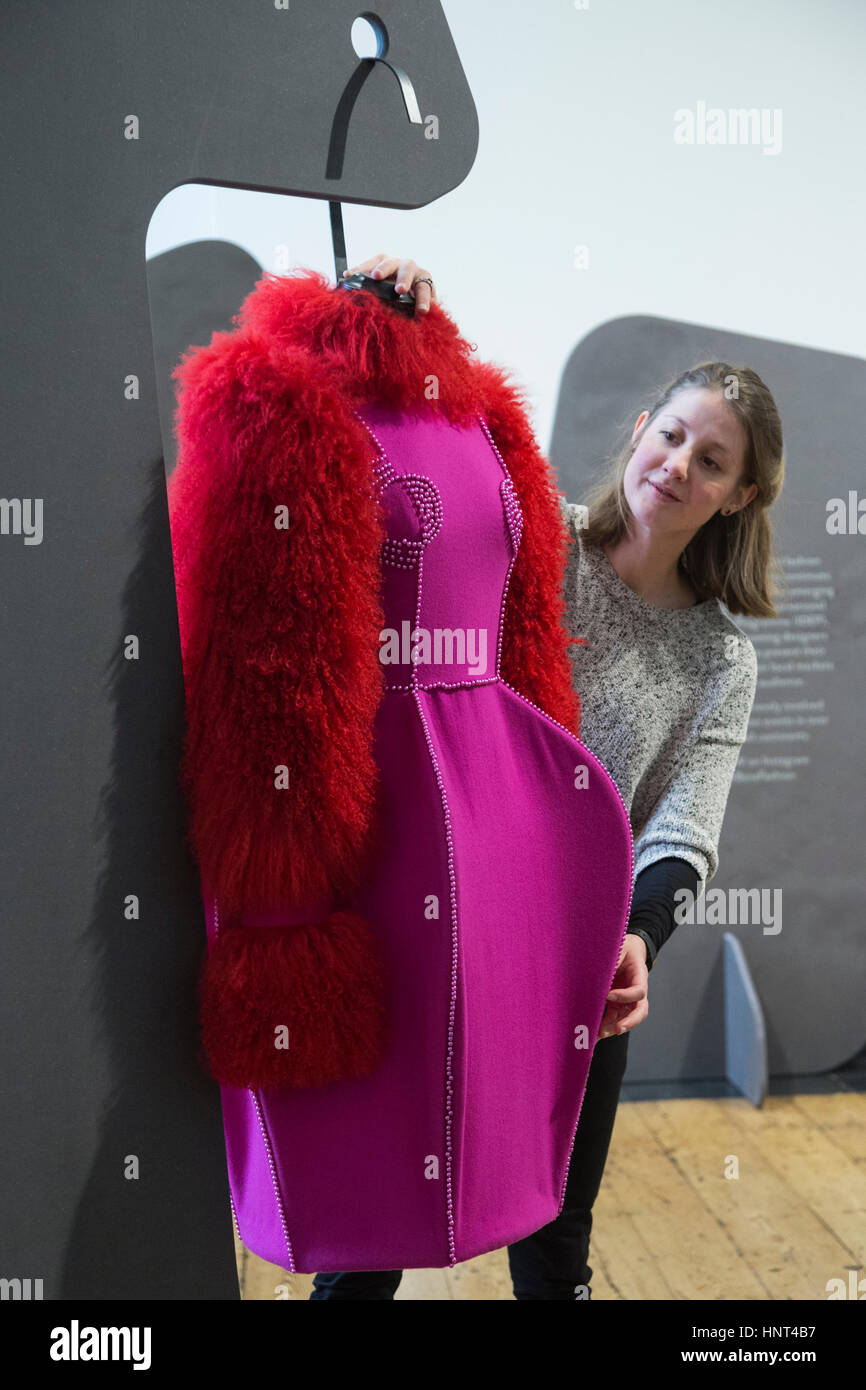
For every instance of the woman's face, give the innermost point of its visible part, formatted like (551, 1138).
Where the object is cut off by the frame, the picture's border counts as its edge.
(688, 464)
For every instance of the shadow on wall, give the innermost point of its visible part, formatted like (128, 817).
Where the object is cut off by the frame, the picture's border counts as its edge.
(193, 291)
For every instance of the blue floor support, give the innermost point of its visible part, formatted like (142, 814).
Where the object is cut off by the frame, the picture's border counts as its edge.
(745, 1032)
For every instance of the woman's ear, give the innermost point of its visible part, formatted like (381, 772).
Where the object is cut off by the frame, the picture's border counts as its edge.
(641, 419)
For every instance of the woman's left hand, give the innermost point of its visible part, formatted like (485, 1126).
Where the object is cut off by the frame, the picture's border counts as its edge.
(627, 1003)
(405, 272)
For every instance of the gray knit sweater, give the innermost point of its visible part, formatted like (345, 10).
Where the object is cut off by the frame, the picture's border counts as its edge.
(665, 696)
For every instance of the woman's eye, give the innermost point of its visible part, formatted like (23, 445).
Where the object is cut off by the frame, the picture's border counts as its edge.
(668, 434)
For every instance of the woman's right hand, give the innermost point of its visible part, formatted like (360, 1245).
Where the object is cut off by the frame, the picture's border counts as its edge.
(382, 267)
(627, 1004)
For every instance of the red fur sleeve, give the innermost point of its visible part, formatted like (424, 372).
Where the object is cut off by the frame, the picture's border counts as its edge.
(535, 636)
(278, 622)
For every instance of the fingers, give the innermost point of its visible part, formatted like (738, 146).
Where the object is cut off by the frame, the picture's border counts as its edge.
(618, 1021)
(627, 1005)
(369, 266)
(409, 273)
(621, 1018)
(424, 293)
(626, 994)
(405, 273)
(380, 266)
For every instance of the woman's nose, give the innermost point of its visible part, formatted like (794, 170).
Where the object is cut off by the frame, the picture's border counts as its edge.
(678, 465)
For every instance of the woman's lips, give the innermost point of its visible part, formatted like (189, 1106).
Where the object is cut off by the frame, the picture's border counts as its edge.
(668, 497)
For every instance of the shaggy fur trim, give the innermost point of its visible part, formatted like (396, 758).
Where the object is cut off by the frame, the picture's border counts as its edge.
(316, 987)
(279, 628)
(375, 352)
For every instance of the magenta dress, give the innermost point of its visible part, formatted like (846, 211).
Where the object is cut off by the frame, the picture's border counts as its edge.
(500, 893)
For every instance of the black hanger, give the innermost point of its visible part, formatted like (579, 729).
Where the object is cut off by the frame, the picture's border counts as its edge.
(383, 289)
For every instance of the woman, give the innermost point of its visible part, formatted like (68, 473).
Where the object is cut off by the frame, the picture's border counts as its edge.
(666, 682)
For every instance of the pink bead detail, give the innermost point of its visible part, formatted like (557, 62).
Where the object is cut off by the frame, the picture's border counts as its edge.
(502, 465)
(449, 1077)
(403, 552)
(513, 512)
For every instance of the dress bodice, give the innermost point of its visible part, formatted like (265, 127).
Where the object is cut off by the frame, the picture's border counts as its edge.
(453, 524)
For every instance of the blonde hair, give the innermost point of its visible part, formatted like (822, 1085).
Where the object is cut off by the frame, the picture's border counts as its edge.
(730, 558)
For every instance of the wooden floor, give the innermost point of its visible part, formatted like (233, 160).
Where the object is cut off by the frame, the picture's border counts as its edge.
(669, 1224)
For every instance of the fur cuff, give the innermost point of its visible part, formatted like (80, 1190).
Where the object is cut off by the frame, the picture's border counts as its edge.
(293, 1006)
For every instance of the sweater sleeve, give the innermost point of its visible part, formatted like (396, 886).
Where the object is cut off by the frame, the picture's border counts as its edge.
(654, 901)
(686, 820)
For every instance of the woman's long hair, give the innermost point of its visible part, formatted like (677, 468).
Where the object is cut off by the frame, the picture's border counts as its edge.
(730, 558)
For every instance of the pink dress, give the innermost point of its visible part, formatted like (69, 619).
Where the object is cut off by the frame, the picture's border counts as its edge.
(500, 895)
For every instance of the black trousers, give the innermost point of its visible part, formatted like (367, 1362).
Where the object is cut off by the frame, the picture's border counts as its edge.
(552, 1263)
